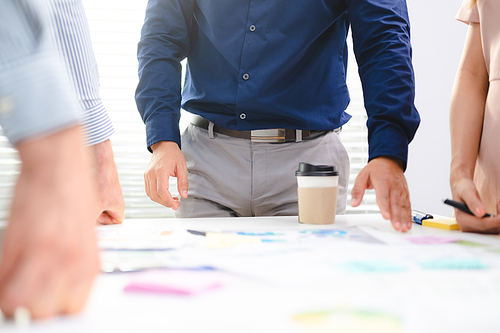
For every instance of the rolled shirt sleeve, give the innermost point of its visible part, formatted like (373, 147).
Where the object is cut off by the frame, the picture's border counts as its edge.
(35, 94)
(160, 50)
(72, 37)
(468, 12)
(381, 36)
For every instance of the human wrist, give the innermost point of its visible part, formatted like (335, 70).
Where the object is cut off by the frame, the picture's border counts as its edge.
(391, 159)
(53, 156)
(162, 145)
(460, 171)
(101, 152)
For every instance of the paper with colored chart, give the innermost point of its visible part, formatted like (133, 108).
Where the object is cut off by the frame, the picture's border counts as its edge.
(297, 264)
(125, 238)
(294, 256)
(175, 282)
(310, 235)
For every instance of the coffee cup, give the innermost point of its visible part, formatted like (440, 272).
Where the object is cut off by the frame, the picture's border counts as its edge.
(317, 189)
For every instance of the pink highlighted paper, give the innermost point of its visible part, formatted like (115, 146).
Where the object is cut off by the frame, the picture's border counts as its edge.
(423, 240)
(180, 282)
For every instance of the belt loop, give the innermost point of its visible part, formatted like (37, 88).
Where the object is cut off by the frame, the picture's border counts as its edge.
(298, 135)
(211, 130)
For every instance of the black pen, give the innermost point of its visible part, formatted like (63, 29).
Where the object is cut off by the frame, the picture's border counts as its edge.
(196, 232)
(463, 207)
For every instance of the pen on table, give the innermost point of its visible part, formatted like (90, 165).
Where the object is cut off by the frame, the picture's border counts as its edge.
(462, 207)
(418, 216)
(196, 232)
(225, 237)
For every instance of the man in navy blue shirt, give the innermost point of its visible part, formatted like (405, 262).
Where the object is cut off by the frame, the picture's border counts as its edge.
(256, 65)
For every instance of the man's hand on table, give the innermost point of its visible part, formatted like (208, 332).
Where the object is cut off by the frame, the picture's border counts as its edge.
(386, 176)
(50, 255)
(109, 192)
(167, 161)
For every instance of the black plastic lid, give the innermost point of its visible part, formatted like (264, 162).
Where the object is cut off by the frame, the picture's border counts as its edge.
(306, 169)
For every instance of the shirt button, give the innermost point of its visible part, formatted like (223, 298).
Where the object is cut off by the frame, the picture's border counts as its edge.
(253, 28)
(243, 116)
(246, 76)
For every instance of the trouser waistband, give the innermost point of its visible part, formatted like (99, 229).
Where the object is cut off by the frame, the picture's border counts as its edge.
(275, 135)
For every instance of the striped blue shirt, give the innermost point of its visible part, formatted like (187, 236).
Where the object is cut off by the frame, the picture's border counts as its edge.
(72, 38)
(35, 98)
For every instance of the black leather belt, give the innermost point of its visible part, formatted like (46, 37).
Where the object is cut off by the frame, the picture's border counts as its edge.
(275, 135)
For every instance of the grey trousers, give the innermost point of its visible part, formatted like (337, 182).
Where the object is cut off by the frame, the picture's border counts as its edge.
(231, 177)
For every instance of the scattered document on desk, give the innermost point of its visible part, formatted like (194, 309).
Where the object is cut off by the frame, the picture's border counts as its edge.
(423, 240)
(309, 235)
(176, 282)
(344, 319)
(298, 256)
(123, 238)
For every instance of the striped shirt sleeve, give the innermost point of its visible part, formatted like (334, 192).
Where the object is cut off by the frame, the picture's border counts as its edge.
(72, 38)
(35, 98)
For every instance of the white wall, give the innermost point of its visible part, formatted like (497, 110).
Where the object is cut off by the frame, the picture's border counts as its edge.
(437, 40)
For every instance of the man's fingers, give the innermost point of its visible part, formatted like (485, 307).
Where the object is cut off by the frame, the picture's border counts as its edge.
(77, 298)
(108, 217)
(400, 210)
(10, 257)
(182, 181)
(156, 189)
(165, 195)
(167, 161)
(29, 286)
(358, 190)
(80, 283)
(384, 202)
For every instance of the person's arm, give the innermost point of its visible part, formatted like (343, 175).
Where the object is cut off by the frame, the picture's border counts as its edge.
(381, 35)
(49, 254)
(164, 43)
(73, 38)
(49, 257)
(466, 124)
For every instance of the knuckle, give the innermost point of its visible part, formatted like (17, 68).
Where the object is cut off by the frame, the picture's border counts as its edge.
(9, 302)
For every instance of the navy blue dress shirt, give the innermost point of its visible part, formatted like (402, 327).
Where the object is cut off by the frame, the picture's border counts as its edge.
(256, 64)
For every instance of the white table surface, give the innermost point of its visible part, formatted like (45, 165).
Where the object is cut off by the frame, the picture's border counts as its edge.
(420, 300)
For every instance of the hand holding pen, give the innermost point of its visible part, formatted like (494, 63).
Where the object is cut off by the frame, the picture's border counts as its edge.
(468, 222)
(463, 207)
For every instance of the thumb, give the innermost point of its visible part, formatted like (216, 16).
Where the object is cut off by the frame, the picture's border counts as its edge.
(358, 190)
(110, 217)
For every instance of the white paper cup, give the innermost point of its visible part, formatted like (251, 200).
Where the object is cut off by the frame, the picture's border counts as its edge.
(317, 189)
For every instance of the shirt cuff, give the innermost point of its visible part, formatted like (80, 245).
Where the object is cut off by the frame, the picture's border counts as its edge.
(389, 141)
(97, 125)
(163, 127)
(35, 98)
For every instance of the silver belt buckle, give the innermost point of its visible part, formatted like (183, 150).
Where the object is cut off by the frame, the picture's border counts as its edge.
(276, 135)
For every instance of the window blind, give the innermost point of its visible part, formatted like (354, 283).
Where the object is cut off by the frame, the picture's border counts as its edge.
(115, 27)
